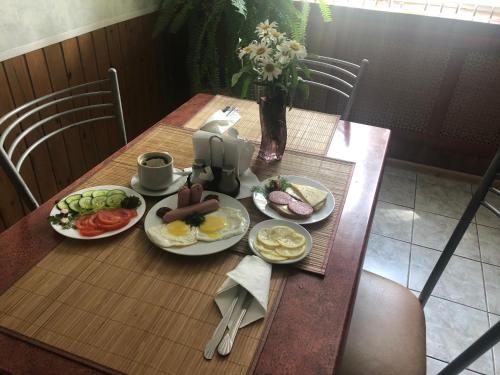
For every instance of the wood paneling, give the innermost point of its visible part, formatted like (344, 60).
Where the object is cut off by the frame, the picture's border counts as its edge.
(129, 47)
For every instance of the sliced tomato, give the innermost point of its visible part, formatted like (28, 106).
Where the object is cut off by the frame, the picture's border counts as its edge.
(90, 232)
(86, 221)
(108, 217)
(114, 226)
(125, 212)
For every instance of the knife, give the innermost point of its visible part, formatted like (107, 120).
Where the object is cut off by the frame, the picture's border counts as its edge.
(209, 351)
(227, 342)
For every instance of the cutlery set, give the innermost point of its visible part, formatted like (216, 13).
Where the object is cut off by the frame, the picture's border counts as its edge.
(229, 325)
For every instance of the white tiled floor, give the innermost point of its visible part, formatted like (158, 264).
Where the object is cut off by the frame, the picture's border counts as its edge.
(414, 218)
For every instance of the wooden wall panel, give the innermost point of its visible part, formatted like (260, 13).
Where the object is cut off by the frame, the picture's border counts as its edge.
(127, 46)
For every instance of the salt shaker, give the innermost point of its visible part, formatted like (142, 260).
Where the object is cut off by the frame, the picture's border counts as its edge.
(197, 170)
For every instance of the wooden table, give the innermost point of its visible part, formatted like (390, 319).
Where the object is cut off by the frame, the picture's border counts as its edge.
(296, 343)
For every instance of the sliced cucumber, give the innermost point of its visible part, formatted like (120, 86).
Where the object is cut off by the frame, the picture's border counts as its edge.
(99, 193)
(114, 200)
(71, 198)
(87, 193)
(98, 202)
(85, 203)
(74, 206)
(62, 205)
(116, 191)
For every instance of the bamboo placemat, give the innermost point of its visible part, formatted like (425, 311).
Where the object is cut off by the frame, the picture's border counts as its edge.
(334, 174)
(124, 304)
(308, 131)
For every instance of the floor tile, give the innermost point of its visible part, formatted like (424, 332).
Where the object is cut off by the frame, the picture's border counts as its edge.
(393, 221)
(496, 348)
(489, 244)
(461, 281)
(400, 171)
(398, 190)
(492, 284)
(451, 328)
(388, 257)
(434, 231)
(485, 216)
(442, 196)
(439, 179)
(434, 366)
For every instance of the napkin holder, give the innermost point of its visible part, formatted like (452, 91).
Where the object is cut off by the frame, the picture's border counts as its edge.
(237, 150)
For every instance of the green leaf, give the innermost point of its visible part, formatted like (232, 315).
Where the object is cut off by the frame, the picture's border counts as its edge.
(235, 78)
(326, 11)
(240, 7)
(246, 85)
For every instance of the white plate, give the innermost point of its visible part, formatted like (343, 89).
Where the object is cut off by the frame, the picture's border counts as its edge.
(261, 203)
(199, 248)
(73, 233)
(136, 185)
(275, 222)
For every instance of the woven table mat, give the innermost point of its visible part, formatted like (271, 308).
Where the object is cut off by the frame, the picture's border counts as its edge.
(334, 174)
(122, 303)
(307, 131)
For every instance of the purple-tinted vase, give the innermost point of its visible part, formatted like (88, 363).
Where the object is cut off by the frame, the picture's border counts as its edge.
(272, 108)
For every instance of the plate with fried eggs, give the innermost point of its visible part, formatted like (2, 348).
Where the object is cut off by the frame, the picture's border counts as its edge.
(219, 231)
(280, 241)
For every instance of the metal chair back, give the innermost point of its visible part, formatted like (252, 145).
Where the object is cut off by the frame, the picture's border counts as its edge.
(13, 167)
(492, 336)
(343, 77)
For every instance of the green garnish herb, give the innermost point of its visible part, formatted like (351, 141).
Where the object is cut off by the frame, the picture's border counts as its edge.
(66, 221)
(280, 183)
(195, 220)
(131, 202)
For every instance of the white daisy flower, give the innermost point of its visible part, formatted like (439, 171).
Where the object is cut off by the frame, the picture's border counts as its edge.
(245, 50)
(296, 49)
(269, 70)
(260, 51)
(265, 28)
(276, 36)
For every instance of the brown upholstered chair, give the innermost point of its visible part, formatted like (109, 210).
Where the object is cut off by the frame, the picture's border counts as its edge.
(387, 332)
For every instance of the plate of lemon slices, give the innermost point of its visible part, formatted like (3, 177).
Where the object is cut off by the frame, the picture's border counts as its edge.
(280, 241)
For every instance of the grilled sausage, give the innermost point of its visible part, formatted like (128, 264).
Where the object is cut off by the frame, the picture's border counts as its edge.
(196, 191)
(183, 197)
(199, 208)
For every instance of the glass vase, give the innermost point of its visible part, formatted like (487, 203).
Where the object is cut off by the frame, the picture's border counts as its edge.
(272, 110)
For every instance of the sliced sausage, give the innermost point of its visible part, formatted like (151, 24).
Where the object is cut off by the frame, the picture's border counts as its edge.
(199, 208)
(300, 208)
(279, 197)
(196, 191)
(183, 197)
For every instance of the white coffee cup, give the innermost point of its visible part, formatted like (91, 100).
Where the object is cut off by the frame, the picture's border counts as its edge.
(155, 170)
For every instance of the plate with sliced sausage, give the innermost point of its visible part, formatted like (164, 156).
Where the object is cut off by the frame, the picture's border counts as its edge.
(294, 198)
(196, 222)
(97, 212)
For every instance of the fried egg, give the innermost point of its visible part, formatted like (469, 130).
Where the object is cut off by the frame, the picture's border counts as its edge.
(224, 223)
(174, 234)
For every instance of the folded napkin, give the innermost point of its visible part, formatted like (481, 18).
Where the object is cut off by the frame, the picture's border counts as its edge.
(253, 274)
(219, 122)
(247, 181)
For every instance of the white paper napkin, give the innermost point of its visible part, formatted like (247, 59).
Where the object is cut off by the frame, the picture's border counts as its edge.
(253, 274)
(247, 181)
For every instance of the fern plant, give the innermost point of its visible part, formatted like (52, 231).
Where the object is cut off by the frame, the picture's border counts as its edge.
(214, 29)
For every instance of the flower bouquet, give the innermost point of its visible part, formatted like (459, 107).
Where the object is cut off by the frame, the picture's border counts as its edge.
(273, 63)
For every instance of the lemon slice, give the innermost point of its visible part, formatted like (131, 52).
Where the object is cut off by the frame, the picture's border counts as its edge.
(280, 231)
(292, 241)
(259, 246)
(265, 237)
(290, 253)
(272, 256)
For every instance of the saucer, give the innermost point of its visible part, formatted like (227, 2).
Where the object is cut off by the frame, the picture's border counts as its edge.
(172, 188)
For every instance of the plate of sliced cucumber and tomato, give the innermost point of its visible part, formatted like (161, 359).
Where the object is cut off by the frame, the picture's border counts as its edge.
(97, 212)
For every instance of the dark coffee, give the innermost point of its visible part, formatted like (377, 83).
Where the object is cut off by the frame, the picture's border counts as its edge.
(155, 161)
